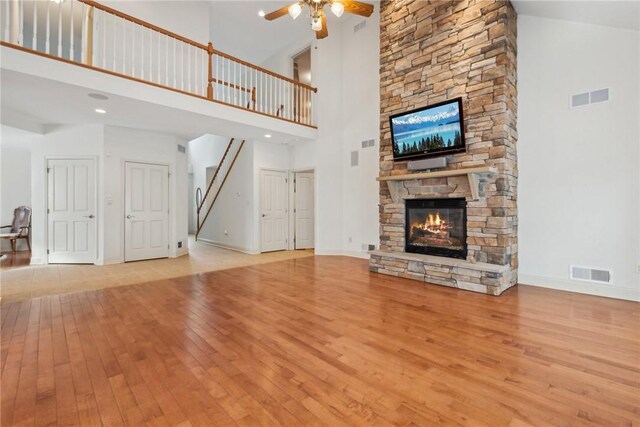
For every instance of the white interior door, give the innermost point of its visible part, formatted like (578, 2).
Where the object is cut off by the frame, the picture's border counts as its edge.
(304, 210)
(146, 211)
(274, 220)
(71, 211)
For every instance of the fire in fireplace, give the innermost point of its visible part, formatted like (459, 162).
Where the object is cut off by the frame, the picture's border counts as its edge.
(436, 227)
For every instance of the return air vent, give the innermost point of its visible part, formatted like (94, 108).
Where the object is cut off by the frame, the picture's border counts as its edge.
(590, 274)
(182, 148)
(354, 158)
(586, 98)
(368, 143)
(359, 26)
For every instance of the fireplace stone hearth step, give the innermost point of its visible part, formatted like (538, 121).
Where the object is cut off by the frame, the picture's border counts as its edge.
(480, 277)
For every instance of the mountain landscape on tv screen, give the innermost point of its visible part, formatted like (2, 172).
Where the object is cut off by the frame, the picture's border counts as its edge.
(433, 129)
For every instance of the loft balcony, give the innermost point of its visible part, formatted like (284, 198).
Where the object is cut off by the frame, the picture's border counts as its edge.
(67, 43)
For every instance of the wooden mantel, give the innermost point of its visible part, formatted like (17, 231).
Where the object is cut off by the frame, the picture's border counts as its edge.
(473, 174)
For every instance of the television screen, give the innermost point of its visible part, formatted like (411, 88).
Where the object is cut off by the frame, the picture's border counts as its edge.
(427, 132)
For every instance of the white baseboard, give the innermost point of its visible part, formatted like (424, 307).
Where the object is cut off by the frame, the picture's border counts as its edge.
(337, 252)
(580, 287)
(182, 251)
(229, 247)
(37, 261)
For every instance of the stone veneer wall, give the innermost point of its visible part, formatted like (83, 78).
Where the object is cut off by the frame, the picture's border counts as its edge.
(436, 51)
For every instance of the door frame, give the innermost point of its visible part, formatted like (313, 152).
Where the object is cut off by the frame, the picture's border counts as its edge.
(259, 209)
(123, 213)
(99, 214)
(292, 218)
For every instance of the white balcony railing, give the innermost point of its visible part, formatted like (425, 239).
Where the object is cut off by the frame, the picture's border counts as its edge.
(93, 35)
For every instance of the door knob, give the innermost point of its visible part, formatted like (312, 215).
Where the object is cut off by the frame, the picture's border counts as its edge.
(130, 216)
(89, 216)
(263, 215)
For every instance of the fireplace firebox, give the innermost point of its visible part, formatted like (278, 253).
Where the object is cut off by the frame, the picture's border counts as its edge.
(436, 227)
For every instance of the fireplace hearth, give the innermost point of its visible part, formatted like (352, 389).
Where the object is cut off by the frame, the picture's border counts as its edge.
(436, 227)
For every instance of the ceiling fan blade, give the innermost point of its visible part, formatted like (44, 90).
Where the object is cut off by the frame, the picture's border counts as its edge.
(357, 7)
(324, 32)
(277, 13)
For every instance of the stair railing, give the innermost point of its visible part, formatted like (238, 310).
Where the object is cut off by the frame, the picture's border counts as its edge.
(89, 34)
(220, 176)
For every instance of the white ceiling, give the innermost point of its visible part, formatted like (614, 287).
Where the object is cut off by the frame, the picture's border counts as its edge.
(237, 29)
(27, 98)
(611, 13)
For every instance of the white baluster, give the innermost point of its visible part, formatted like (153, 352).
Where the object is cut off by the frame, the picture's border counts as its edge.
(60, 29)
(175, 57)
(115, 25)
(166, 63)
(124, 49)
(71, 52)
(182, 65)
(189, 53)
(34, 40)
(83, 35)
(142, 53)
(48, 29)
(7, 15)
(104, 39)
(21, 23)
(158, 79)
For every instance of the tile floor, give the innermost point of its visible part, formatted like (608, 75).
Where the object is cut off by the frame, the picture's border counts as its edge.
(19, 281)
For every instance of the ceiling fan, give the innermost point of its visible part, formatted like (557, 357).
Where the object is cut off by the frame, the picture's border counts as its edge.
(316, 12)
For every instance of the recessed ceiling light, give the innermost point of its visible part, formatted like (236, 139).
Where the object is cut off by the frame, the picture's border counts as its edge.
(100, 111)
(99, 96)
(261, 13)
(267, 136)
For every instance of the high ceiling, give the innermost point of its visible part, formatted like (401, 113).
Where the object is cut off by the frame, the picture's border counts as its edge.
(617, 14)
(237, 29)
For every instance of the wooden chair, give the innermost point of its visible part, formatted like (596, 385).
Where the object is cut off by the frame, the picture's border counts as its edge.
(20, 228)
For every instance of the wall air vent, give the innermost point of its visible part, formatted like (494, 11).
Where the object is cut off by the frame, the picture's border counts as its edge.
(182, 148)
(359, 26)
(586, 98)
(354, 158)
(587, 274)
(368, 143)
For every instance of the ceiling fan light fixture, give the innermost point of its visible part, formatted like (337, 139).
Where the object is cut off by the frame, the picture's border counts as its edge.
(316, 24)
(295, 10)
(337, 8)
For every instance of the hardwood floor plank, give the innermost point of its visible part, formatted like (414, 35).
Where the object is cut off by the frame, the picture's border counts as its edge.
(319, 341)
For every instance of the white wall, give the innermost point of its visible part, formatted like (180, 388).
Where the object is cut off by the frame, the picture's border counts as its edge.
(234, 221)
(186, 18)
(579, 185)
(231, 220)
(62, 142)
(15, 177)
(345, 68)
(123, 144)
(111, 146)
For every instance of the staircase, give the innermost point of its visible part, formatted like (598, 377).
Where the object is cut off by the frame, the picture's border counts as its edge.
(217, 182)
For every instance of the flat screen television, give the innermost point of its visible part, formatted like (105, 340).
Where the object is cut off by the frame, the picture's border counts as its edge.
(435, 130)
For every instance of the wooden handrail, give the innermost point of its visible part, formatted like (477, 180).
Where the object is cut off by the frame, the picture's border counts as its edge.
(264, 70)
(232, 86)
(143, 23)
(215, 175)
(219, 188)
(193, 42)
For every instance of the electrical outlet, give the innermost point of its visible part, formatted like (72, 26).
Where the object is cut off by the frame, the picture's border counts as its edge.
(226, 232)
(179, 245)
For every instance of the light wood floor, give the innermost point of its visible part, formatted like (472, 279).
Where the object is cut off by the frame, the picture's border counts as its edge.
(319, 341)
(19, 280)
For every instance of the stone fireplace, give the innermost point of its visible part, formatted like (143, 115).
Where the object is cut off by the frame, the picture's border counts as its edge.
(433, 52)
